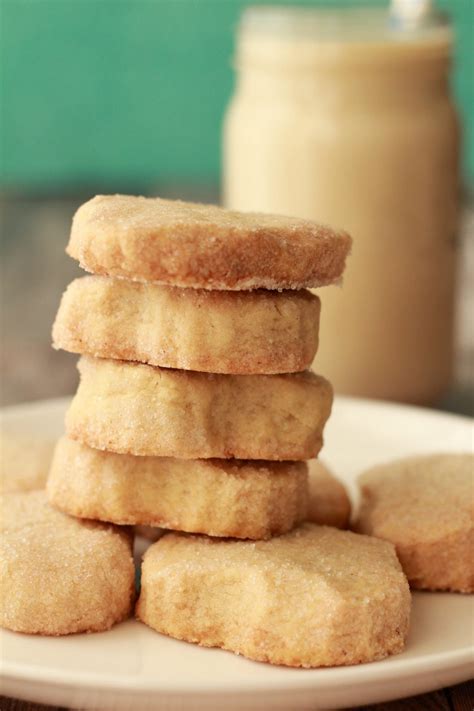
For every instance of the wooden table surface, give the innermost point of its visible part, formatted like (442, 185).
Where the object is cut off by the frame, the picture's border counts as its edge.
(455, 698)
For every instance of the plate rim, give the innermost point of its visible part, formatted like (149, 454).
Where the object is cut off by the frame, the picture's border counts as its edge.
(306, 677)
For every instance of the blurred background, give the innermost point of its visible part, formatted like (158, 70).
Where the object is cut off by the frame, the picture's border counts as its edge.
(129, 96)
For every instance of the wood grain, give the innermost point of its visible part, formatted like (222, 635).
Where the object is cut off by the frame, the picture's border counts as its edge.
(461, 697)
(7, 704)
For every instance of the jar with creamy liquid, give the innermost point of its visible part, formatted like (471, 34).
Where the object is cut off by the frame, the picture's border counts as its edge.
(339, 117)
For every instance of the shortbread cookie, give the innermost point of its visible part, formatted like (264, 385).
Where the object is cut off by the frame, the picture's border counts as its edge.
(60, 575)
(24, 461)
(425, 506)
(204, 246)
(329, 504)
(192, 329)
(219, 497)
(143, 410)
(313, 597)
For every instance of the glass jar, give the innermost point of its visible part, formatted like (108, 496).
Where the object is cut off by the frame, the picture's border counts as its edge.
(339, 118)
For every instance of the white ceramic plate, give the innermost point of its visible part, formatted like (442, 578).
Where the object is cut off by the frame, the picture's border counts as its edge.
(132, 667)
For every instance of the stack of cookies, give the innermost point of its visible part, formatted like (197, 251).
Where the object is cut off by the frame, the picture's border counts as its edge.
(195, 411)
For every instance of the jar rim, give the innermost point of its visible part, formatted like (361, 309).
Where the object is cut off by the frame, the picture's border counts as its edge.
(326, 25)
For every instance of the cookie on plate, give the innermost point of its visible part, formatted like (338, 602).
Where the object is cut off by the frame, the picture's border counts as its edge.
(204, 246)
(329, 504)
(219, 497)
(24, 461)
(138, 409)
(247, 332)
(425, 506)
(60, 575)
(314, 597)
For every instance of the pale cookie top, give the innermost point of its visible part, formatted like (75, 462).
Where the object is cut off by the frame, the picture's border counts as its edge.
(418, 499)
(23, 510)
(204, 246)
(61, 575)
(24, 461)
(49, 538)
(329, 561)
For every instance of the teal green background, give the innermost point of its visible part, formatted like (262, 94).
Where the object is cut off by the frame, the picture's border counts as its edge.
(132, 92)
